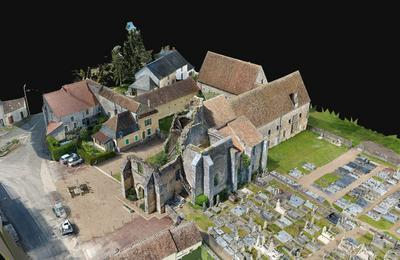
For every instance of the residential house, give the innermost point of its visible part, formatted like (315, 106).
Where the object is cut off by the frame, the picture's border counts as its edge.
(113, 103)
(170, 99)
(278, 109)
(12, 111)
(173, 243)
(220, 74)
(118, 133)
(168, 68)
(71, 107)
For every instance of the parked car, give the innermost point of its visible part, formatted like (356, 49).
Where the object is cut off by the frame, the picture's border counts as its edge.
(75, 162)
(64, 158)
(59, 210)
(66, 228)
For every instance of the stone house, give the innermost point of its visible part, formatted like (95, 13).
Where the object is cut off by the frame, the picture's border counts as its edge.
(220, 74)
(154, 186)
(71, 107)
(173, 243)
(168, 68)
(171, 99)
(12, 111)
(118, 133)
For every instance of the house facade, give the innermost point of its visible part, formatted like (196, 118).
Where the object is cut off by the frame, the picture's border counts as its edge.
(220, 74)
(170, 99)
(69, 108)
(12, 111)
(168, 68)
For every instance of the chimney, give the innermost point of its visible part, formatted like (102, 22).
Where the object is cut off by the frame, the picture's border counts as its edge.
(148, 102)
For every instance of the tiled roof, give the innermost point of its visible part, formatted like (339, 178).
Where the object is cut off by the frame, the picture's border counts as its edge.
(52, 126)
(123, 123)
(119, 99)
(163, 244)
(12, 105)
(169, 93)
(70, 99)
(101, 137)
(269, 101)
(228, 74)
(242, 130)
(218, 111)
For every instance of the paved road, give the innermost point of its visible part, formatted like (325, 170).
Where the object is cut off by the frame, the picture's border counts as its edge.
(26, 194)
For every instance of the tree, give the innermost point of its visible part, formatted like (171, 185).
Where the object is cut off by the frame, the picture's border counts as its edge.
(134, 52)
(119, 66)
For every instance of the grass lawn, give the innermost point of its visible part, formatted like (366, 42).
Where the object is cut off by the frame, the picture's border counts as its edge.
(378, 178)
(242, 232)
(382, 224)
(226, 229)
(90, 149)
(121, 89)
(197, 216)
(165, 124)
(350, 130)
(302, 148)
(200, 253)
(327, 179)
(337, 207)
(158, 159)
(366, 238)
(350, 198)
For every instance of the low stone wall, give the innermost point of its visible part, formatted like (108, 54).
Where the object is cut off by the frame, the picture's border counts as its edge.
(380, 152)
(331, 137)
(217, 249)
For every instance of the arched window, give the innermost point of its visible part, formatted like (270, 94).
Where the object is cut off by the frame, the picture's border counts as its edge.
(216, 180)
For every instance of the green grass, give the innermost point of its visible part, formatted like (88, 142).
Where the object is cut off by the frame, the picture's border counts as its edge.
(350, 198)
(242, 232)
(366, 238)
(226, 229)
(165, 124)
(379, 161)
(337, 207)
(327, 179)
(273, 228)
(209, 95)
(382, 224)
(350, 130)
(121, 89)
(197, 216)
(90, 149)
(378, 178)
(200, 253)
(117, 176)
(304, 147)
(158, 159)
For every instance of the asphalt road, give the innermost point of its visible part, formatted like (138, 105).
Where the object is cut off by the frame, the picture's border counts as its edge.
(26, 196)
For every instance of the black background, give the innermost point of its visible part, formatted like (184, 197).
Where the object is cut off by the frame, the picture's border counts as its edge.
(348, 55)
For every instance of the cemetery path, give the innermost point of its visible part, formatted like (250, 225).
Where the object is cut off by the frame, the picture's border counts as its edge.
(335, 242)
(392, 190)
(309, 179)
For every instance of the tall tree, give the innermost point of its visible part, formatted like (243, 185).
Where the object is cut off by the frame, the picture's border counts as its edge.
(119, 66)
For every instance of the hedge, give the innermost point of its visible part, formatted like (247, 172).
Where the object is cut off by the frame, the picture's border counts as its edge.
(56, 151)
(200, 199)
(90, 159)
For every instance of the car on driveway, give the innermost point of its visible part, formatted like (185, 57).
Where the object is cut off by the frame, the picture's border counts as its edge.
(74, 160)
(64, 158)
(59, 210)
(66, 228)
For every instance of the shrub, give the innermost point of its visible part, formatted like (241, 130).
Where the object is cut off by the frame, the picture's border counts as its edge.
(158, 159)
(101, 119)
(245, 160)
(84, 134)
(96, 128)
(94, 159)
(201, 199)
(56, 151)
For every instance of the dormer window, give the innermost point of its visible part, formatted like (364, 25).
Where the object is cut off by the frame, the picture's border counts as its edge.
(294, 99)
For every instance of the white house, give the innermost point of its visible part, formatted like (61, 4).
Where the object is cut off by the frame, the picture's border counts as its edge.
(12, 111)
(168, 68)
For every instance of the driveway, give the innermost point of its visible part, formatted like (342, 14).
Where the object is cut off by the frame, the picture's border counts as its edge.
(27, 194)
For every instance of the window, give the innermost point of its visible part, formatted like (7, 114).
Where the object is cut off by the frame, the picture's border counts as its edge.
(66, 128)
(22, 114)
(74, 125)
(147, 122)
(87, 111)
(269, 132)
(277, 127)
(115, 112)
(72, 118)
(149, 131)
(126, 141)
(290, 121)
(300, 115)
(136, 138)
(215, 180)
(284, 133)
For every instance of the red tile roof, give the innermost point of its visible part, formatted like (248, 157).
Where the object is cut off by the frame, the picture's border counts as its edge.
(53, 126)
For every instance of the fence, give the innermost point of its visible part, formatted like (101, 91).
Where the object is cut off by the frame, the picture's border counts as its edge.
(380, 152)
(331, 137)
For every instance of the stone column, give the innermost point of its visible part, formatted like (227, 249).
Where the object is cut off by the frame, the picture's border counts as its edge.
(264, 155)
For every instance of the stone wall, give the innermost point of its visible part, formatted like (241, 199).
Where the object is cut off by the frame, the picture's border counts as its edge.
(168, 181)
(331, 137)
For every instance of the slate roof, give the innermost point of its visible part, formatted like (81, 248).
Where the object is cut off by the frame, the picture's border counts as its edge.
(70, 99)
(121, 124)
(144, 83)
(269, 101)
(228, 74)
(218, 111)
(169, 93)
(167, 64)
(12, 105)
(53, 126)
(163, 244)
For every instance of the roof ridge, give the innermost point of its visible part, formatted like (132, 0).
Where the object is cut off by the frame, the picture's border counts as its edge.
(235, 59)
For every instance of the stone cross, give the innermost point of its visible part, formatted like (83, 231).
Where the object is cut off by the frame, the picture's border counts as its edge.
(247, 210)
(259, 228)
(306, 224)
(271, 246)
(324, 229)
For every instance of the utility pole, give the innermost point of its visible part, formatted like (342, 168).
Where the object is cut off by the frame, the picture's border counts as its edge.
(26, 100)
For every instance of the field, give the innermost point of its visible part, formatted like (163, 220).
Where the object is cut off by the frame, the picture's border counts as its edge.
(351, 130)
(304, 147)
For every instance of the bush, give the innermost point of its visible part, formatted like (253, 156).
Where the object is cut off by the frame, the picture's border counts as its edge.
(84, 134)
(94, 159)
(158, 159)
(56, 151)
(96, 128)
(201, 199)
(101, 119)
(245, 160)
